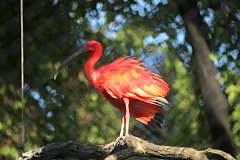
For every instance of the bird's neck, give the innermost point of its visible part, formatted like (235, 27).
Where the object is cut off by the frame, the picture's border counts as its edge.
(89, 71)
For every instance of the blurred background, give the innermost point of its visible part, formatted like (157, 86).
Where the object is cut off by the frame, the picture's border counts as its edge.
(193, 45)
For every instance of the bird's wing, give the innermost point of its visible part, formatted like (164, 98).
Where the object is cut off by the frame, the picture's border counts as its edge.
(129, 78)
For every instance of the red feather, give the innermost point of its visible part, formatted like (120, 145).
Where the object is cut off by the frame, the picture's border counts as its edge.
(127, 77)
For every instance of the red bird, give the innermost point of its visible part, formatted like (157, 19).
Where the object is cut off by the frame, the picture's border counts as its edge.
(126, 84)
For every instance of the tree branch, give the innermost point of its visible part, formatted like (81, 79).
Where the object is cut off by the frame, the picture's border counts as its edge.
(125, 147)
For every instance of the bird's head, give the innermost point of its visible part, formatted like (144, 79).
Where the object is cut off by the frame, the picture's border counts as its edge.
(88, 47)
(92, 46)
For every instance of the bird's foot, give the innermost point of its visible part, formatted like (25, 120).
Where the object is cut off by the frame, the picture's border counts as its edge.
(117, 144)
(120, 141)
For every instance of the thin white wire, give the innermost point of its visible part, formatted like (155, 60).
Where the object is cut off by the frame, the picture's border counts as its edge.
(22, 79)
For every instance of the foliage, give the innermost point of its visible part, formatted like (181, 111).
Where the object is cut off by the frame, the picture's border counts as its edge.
(68, 109)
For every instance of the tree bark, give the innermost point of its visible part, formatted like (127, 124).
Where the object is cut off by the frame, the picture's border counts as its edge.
(214, 103)
(125, 147)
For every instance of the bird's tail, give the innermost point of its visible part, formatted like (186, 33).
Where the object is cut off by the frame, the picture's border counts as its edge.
(150, 112)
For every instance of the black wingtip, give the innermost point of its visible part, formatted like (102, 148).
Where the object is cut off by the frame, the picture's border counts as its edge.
(161, 103)
(157, 120)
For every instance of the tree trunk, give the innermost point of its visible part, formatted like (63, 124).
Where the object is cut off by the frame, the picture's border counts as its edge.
(214, 104)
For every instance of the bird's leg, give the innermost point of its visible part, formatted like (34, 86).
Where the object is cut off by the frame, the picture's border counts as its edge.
(122, 127)
(125, 121)
(127, 115)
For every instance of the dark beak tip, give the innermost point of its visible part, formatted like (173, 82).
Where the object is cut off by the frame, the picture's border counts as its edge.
(55, 76)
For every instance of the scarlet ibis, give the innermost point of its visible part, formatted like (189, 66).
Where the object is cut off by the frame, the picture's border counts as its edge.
(126, 84)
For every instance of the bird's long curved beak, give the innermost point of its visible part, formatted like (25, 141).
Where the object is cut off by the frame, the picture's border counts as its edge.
(69, 59)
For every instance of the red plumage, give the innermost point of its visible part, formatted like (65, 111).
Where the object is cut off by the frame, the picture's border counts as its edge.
(128, 78)
(127, 84)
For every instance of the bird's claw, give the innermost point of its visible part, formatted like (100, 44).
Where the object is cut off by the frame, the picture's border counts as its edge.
(120, 140)
(120, 143)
